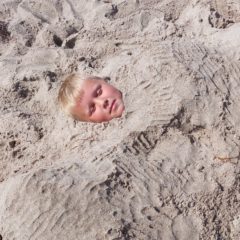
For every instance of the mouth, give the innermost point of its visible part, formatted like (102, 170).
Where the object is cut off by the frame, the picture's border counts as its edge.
(112, 105)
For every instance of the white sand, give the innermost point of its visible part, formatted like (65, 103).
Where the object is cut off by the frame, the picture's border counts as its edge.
(169, 169)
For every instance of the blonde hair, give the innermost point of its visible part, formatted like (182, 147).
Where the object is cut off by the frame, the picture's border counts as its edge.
(69, 92)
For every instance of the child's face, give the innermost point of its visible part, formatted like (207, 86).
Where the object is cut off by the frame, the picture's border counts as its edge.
(100, 102)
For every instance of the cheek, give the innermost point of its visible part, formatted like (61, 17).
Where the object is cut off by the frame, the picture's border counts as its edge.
(116, 93)
(78, 113)
(101, 116)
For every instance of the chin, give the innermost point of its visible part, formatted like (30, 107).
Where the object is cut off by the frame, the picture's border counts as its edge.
(105, 120)
(121, 110)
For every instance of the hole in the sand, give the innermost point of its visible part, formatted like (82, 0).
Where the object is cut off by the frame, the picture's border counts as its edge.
(71, 43)
(57, 40)
(1, 237)
(24, 115)
(112, 12)
(217, 15)
(117, 44)
(52, 76)
(12, 144)
(23, 93)
(15, 153)
(31, 79)
(29, 42)
(4, 33)
(168, 17)
(16, 87)
(81, 59)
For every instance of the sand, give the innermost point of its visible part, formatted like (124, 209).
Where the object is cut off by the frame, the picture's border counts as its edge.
(169, 168)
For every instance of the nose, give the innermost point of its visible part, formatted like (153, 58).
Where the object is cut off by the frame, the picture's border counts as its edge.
(102, 102)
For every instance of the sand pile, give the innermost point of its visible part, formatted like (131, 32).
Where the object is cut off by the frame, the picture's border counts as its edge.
(169, 168)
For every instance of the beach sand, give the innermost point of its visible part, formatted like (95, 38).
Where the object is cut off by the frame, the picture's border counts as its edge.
(169, 168)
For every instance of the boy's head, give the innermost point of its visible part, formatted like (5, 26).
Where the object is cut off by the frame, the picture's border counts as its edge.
(90, 99)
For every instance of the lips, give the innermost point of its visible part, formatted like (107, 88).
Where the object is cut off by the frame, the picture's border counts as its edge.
(112, 105)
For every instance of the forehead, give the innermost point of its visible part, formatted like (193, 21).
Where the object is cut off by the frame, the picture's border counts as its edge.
(89, 84)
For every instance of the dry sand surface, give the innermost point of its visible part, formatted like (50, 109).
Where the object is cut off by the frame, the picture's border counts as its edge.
(169, 168)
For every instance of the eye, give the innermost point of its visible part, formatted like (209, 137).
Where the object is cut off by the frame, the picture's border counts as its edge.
(99, 92)
(92, 109)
